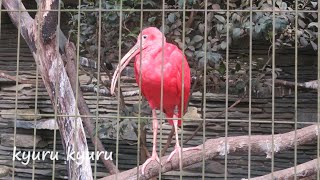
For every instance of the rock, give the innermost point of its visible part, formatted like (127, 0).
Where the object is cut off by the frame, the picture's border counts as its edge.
(25, 114)
(192, 114)
(22, 140)
(4, 171)
(50, 124)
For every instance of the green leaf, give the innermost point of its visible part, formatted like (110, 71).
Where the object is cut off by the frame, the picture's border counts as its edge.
(281, 24)
(199, 54)
(220, 28)
(313, 24)
(240, 85)
(191, 48)
(197, 38)
(314, 45)
(201, 27)
(220, 18)
(236, 33)
(152, 19)
(187, 40)
(301, 23)
(223, 45)
(314, 4)
(222, 68)
(214, 57)
(303, 41)
(171, 17)
(238, 67)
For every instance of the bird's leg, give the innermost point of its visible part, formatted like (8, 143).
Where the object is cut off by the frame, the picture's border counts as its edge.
(154, 155)
(177, 147)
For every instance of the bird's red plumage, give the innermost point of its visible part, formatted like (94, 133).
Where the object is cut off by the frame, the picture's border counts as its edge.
(174, 66)
(162, 68)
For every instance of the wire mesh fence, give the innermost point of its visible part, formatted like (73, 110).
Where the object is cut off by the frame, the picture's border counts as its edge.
(250, 102)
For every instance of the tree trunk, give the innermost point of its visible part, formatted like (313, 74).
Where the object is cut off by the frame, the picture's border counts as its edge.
(43, 45)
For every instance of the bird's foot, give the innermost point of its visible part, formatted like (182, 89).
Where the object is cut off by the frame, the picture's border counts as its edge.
(154, 157)
(178, 149)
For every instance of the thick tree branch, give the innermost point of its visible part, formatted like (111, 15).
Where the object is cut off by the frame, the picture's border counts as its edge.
(219, 147)
(302, 171)
(50, 32)
(43, 45)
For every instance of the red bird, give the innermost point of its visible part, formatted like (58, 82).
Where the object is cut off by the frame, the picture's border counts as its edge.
(159, 58)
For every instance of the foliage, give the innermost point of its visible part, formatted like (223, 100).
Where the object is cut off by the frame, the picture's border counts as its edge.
(194, 43)
(204, 43)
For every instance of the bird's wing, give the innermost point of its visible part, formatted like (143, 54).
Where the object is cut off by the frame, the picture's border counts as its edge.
(179, 61)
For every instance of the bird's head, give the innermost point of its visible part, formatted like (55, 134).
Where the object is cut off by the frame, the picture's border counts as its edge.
(148, 37)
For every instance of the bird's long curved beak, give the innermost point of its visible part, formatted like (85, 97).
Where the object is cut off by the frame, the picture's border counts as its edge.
(123, 63)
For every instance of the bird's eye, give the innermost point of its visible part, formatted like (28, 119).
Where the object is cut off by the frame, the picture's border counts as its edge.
(144, 36)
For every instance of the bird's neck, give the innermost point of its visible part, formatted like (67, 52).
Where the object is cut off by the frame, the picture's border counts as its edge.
(154, 49)
(149, 53)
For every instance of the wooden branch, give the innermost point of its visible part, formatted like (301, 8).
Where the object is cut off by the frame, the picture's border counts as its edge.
(43, 45)
(302, 171)
(219, 147)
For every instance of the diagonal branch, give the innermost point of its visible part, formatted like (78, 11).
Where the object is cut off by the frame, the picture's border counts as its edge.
(218, 147)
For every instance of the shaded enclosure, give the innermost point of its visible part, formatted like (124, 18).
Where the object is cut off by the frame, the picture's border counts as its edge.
(18, 119)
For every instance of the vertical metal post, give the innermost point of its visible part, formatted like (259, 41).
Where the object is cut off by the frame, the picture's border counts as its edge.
(98, 87)
(118, 108)
(250, 90)
(295, 87)
(204, 87)
(227, 94)
(273, 84)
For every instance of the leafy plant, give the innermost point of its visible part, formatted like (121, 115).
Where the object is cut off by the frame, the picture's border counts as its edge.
(204, 36)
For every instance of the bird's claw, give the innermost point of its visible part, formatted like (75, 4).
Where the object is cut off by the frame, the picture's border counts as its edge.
(179, 151)
(152, 158)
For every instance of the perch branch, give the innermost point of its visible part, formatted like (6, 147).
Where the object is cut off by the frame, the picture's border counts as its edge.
(219, 147)
(43, 45)
(302, 171)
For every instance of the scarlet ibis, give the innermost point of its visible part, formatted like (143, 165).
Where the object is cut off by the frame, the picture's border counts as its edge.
(159, 58)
